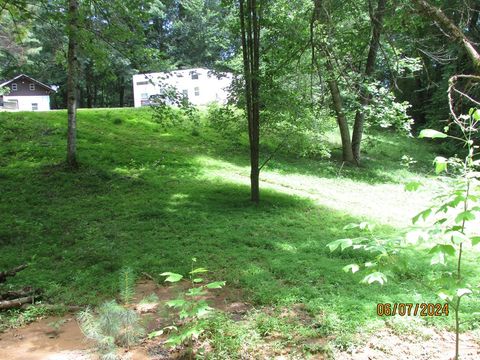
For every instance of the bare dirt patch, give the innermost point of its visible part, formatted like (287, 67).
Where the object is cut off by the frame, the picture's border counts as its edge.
(423, 344)
(60, 338)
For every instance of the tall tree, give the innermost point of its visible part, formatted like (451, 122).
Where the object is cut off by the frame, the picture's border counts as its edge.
(72, 82)
(364, 97)
(321, 24)
(250, 33)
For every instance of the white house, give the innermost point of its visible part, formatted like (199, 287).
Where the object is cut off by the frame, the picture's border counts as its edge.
(25, 94)
(201, 86)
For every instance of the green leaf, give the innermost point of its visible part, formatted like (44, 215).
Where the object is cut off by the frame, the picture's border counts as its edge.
(351, 267)
(445, 295)
(198, 270)
(412, 186)
(475, 114)
(444, 248)
(176, 303)
(197, 280)
(424, 215)
(440, 164)
(154, 334)
(458, 238)
(198, 291)
(172, 277)
(375, 277)
(350, 226)
(215, 285)
(343, 243)
(462, 292)
(475, 240)
(464, 216)
(432, 134)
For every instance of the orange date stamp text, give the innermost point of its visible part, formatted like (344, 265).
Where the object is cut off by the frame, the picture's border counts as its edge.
(411, 309)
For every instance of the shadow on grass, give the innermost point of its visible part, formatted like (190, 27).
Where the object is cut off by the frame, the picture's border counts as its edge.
(140, 199)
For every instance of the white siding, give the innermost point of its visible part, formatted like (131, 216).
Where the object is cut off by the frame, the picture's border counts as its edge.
(206, 89)
(26, 103)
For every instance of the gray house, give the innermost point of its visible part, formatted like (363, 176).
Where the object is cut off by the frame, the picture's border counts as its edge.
(25, 94)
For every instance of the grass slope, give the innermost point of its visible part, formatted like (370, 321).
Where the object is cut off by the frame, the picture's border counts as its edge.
(152, 200)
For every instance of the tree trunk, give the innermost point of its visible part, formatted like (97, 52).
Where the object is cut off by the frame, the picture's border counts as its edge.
(89, 83)
(347, 154)
(320, 16)
(377, 25)
(250, 31)
(121, 91)
(72, 84)
(431, 12)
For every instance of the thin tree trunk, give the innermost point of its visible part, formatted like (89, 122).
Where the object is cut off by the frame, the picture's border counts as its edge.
(121, 92)
(250, 30)
(431, 12)
(256, 105)
(377, 26)
(319, 15)
(347, 154)
(72, 84)
(89, 83)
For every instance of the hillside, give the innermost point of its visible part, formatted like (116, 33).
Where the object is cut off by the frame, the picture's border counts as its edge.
(152, 199)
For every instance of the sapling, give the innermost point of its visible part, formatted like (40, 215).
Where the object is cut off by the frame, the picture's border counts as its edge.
(127, 285)
(112, 326)
(192, 309)
(451, 223)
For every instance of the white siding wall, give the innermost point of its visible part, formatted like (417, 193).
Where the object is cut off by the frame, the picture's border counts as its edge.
(25, 102)
(206, 89)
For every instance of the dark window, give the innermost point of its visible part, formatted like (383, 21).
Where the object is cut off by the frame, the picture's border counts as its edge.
(195, 76)
(197, 91)
(32, 87)
(142, 83)
(34, 106)
(14, 87)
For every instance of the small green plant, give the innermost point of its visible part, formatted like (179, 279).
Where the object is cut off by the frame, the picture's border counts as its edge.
(127, 285)
(192, 310)
(112, 326)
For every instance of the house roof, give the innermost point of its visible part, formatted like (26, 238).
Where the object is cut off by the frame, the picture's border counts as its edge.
(29, 78)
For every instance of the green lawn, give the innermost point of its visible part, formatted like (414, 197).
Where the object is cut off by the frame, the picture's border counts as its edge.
(152, 200)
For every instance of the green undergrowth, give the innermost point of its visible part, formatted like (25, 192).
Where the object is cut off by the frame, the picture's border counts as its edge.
(146, 198)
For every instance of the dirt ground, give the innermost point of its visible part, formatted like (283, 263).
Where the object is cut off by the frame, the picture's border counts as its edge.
(424, 344)
(60, 338)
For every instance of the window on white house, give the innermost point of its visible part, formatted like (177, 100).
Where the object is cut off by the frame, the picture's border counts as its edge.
(144, 96)
(197, 91)
(142, 83)
(185, 93)
(32, 87)
(34, 106)
(195, 76)
(14, 87)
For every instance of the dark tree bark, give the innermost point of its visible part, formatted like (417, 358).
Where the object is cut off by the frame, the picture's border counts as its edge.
(431, 12)
(250, 31)
(10, 273)
(89, 80)
(321, 17)
(121, 91)
(377, 26)
(72, 83)
(10, 304)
